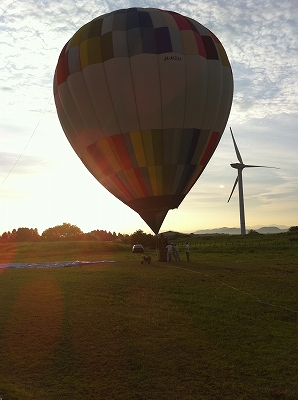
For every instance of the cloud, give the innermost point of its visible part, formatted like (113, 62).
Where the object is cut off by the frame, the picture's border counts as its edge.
(12, 163)
(259, 39)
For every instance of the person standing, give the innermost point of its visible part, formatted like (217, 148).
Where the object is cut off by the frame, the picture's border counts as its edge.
(169, 247)
(187, 251)
(176, 252)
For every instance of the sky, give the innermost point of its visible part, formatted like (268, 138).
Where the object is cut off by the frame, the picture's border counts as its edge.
(44, 184)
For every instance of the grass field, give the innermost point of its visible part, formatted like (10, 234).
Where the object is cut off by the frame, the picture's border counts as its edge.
(222, 327)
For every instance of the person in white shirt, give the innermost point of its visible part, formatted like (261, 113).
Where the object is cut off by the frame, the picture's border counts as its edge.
(176, 252)
(169, 247)
(187, 251)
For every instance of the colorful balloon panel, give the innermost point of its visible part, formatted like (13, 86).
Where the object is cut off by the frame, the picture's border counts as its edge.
(143, 96)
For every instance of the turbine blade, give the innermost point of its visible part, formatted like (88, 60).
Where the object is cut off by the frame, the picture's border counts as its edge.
(235, 184)
(258, 166)
(236, 148)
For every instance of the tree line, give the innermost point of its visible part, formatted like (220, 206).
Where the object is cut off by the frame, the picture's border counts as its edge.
(69, 232)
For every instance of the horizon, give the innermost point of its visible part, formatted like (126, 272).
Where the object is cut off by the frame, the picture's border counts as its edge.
(255, 227)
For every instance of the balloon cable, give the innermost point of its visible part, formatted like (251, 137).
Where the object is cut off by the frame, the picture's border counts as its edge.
(237, 290)
(172, 219)
(32, 134)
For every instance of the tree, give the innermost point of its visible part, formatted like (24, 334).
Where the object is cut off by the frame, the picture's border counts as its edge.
(27, 235)
(90, 237)
(21, 235)
(103, 236)
(65, 232)
(147, 240)
(252, 232)
(293, 229)
(5, 237)
(124, 238)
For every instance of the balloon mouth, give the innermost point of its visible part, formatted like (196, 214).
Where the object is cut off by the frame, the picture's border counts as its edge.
(153, 209)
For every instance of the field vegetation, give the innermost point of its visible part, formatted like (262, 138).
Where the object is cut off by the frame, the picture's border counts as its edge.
(221, 327)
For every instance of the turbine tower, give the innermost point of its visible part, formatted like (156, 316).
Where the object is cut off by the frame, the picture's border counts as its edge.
(240, 167)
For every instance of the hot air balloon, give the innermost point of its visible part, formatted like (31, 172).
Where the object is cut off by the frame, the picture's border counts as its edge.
(143, 96)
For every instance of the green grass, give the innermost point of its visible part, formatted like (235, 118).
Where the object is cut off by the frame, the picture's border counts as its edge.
(221, 327)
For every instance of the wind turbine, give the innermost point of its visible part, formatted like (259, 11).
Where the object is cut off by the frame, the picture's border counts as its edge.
(240, 167)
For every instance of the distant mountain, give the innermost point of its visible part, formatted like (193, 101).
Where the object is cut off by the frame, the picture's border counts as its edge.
(229, 231)
(236, 231)
(256, 227)
(171, 233)
(219, 231)
(271, 229)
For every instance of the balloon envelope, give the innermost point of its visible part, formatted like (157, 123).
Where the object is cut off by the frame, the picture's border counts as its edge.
(143, 96)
